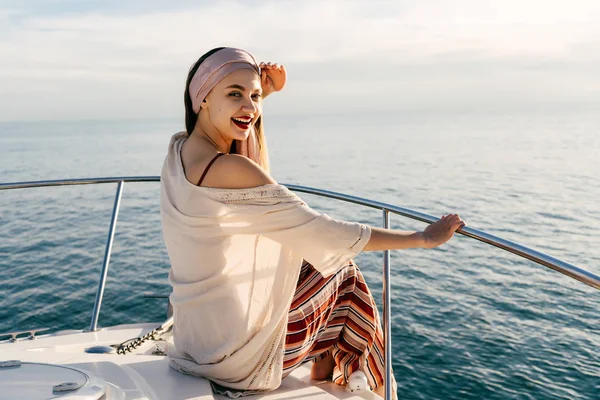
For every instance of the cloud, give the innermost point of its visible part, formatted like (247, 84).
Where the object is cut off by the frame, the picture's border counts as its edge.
(111, 60)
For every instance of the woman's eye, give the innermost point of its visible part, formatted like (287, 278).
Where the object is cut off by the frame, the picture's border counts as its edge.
(256, 96)
(235, 94)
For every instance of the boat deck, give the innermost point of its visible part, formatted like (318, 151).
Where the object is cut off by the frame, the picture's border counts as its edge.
(143, 375)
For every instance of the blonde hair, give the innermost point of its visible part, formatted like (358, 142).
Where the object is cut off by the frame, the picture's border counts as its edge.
(263, 151)
(262, 146)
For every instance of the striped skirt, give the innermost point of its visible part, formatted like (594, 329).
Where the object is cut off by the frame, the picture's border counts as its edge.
(336, 315)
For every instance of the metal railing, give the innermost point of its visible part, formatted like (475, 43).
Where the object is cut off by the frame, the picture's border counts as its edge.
(543, 259)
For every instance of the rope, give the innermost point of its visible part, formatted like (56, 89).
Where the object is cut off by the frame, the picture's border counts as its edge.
(132, 344)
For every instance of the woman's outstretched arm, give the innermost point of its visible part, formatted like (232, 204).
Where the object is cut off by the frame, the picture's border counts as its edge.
(434, 235)
(236, 172)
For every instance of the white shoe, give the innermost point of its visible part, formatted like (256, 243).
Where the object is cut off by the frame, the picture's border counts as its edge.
(357, 382)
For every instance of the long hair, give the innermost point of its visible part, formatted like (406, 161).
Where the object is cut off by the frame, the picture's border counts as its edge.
(263, 152)
(191, 117)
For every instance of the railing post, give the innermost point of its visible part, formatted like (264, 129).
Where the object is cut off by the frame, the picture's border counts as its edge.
(107, 251)
(387, 314)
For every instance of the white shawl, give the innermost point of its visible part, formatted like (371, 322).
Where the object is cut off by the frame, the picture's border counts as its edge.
(235, 259)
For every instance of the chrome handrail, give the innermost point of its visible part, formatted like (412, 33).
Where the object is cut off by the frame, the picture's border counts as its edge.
(387, 313)
(543, 259)
(107, 252)
(565, 268)
(78, 181)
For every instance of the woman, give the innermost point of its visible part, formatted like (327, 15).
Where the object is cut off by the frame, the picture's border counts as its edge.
(261, 282)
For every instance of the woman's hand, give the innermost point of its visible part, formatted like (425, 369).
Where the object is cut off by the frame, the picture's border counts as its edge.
(441, 231)
(272, 78)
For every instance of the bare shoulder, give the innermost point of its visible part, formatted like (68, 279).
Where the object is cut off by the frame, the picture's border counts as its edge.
(234, 171)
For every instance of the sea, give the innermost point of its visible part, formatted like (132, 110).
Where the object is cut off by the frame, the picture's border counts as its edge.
(469, 321)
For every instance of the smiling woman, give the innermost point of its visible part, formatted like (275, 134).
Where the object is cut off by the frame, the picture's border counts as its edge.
(261, 282)
(223, 103)
(244, 86)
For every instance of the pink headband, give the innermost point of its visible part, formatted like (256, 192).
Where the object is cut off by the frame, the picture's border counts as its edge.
(216, 67)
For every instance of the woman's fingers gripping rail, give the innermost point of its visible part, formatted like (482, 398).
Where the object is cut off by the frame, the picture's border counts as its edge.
(442, 230)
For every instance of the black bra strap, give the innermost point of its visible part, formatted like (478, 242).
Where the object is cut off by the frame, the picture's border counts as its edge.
(208, 166)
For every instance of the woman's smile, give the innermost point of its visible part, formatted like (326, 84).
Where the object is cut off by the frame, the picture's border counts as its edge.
(242, 122)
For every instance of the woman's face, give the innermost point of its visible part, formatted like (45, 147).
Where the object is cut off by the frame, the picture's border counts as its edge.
(235, 104)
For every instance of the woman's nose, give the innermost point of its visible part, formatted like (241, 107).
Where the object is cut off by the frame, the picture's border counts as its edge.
(250, 105)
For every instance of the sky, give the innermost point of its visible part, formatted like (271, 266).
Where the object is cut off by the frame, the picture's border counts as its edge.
(109, 59)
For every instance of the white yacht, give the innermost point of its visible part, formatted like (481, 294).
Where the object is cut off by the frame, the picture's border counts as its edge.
(128, 362)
